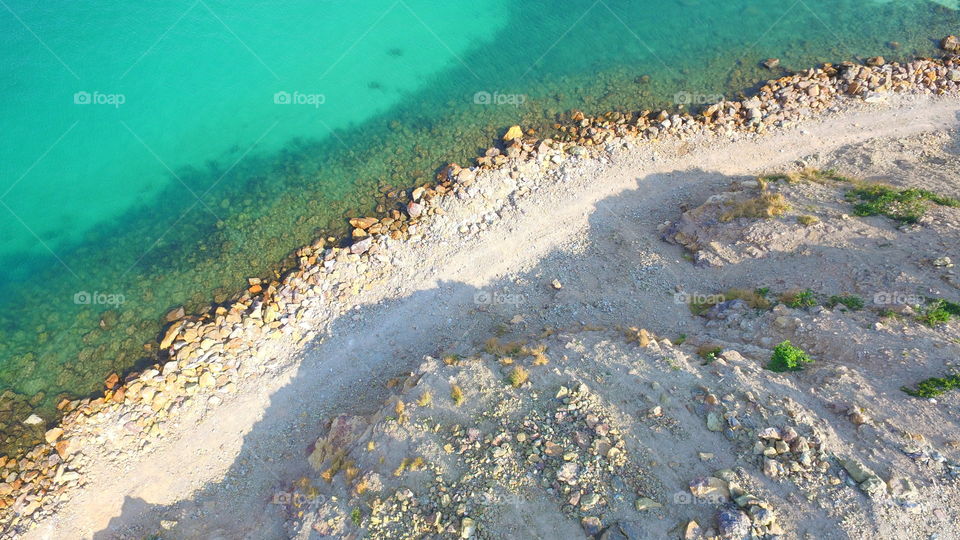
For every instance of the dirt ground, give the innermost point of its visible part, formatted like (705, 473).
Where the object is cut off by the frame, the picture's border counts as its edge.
(596, 226)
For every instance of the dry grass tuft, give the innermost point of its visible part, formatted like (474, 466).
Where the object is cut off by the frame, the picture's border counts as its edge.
(763, 206)
(518, 376)
(456, 394)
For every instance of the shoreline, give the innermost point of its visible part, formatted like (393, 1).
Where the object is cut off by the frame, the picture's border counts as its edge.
(210, 355)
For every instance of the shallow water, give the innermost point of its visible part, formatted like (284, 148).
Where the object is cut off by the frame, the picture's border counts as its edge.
(158, 155)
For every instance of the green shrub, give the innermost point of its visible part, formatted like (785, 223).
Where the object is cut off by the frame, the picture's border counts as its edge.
(905, 205)
(853, 303)
(939, 312)
(799, 299)
(786, 357)
(933, 386)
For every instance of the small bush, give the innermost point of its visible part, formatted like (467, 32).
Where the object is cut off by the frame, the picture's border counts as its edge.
(939, 312)
(799, 299)
(786, 357)
(709, 353)
(456, 394)
(933, 386)
(853, 303)
(426, 398)
(807, 221)
(518, 376)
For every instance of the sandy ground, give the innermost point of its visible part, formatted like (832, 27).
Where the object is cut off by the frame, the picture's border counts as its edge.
(218, 477)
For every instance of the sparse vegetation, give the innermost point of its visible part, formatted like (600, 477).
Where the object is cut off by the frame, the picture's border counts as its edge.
(786, 357)
(904, 205)
(355, 516)
(807, 220)
(933, 386)
(939, 311)
(763, 206)
(799, 299)
(456, 394)
(680, 339)
(709, 353)
(426, 398)
(452, 359)
(518, 376)
(494, 347)
(853, 303)
(807, 175)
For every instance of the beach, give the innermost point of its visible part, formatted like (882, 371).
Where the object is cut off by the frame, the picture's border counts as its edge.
(541, 235)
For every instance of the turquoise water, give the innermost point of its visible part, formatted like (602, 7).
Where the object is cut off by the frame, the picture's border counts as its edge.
(157, 155)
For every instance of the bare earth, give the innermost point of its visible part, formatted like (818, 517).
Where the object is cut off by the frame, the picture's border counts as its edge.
(595, 226)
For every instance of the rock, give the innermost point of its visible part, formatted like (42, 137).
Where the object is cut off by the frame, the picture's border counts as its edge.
(771, 63)
(710, 487)
(468, 527)
(692, 531)
(171, 334)
(646, 503)
(361, 246)
(856, 469)
(52, 435)
(587, 502)
(943, 261)
(33, 420)
(568, 473)
(950, 43)
(175, 314)
(714, 421)
(414, 209)
(344, 431)
(873, 487)
(556, 284)
(363, 223)
(207, 380)
(734, 524)
(513, 133)
(591, 525)
(627, 530)
(769, 433)
(876, 61)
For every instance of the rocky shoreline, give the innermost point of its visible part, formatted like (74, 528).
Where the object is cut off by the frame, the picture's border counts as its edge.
(209, 356)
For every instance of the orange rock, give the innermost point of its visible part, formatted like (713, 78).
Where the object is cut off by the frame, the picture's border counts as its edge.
(61, 448)
(112, 380)
(363, 223)
(255, 289)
